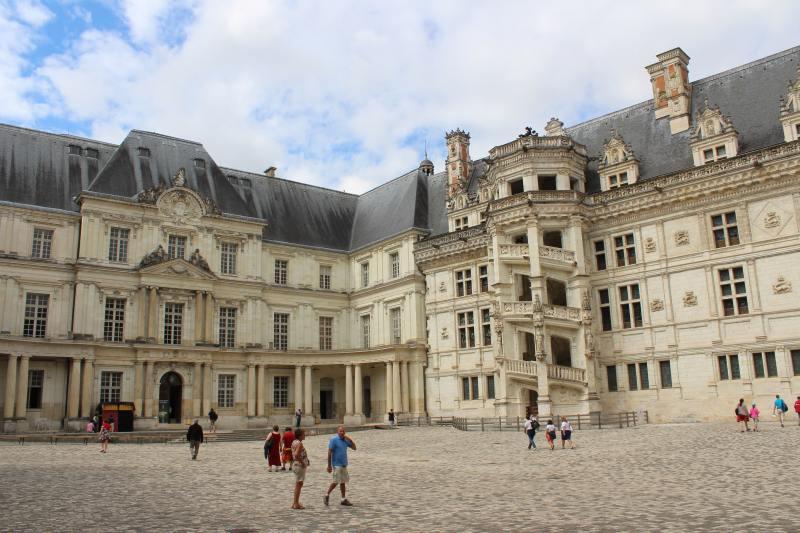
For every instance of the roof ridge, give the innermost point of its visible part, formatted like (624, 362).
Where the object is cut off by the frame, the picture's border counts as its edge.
(261, 176)
(171, 137)
(52, 134)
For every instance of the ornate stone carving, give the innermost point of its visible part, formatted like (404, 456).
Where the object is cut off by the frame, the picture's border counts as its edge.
(156, 256)
(649, 245)
(711, 123)
(197, 260)
(782, 286)
(445, 333)
(772, 219)
(179, 180)
(689, 299)
(615, 151)
(442, 286)
(681, 238)
(181, 206)
(656, 304)
(150, 195)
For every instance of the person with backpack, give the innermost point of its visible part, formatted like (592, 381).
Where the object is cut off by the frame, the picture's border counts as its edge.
(272, 447)
(742, 414)
(195, 437)
(212, 419)
(550, 434)
(779, 408)
(530, 432)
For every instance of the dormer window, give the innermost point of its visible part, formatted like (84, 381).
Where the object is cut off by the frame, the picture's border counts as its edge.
(143, 152)
(91, 153)
(199, 163)
(618, 166)
(74, 149)
(714, 138)
(790, 111)
(461, 223)
(617, 180)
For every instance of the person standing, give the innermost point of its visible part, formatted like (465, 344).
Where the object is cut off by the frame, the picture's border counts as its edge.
(754, 414)
(742, 414)
(90, 427)
(337, 464)
(531, 432)
(272, 448)
(298, 417)
(195, 437)
(779, 408)
(392, 418)
(105, 436)
(300, 464)
(797, 409)
(566, 433)
(212, 421)
(550, 434)
(286, 448)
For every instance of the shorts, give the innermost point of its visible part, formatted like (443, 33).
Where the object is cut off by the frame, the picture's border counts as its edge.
(551, 435)
(340, 474)
(566, 435)
(741, 418)
(299, 472)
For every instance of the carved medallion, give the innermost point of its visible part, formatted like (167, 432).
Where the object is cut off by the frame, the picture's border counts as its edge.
(772, 219)
(649, 245)
(445, 334)
(681, 238)
(442, 287)
(782, 286)
(689, 299)
(656, 304)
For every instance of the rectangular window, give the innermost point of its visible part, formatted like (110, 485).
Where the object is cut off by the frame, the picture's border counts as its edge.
(665, 370)
(625, 250)
(765, 365)
(110, 387)
(199, 163)
(35, 324)
(600, 254)
(227, 327)
(91, 153)
(465, 388)
(365, 330)
(644, 377)
(611, 375)
(516, 186)
(486, 326)
(35, 388)
(461, 223)
(725, 229)
(728, 366)
(118, 245)
(795, 362)
(280, 331)
(474, 382)
(143, 152)
(74, 149)
(325, 333)
(633, 383)
(365, 274)
(734, 291)
(114, 323)
(464, 282)
(176, 246)
(547, 183)
(466, 330)
(394, 316)
(483, 278)
(394, 264)
(226, 390)
(173, 323)
(470, 388)
(617, 180)
(227, 257)
(280, 391)
(281, 271)
(324, 277)
(630, 306)
(42, 243)
(605, 309)
(490, 387)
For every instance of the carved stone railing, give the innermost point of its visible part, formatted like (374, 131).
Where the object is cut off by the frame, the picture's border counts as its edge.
(469, 239)
(518, 366)
(464, 234)
(561, 312)
(566, 373)
(535, 197)
(512, 310)
(532, 142)
(557, 254)
(514, 251)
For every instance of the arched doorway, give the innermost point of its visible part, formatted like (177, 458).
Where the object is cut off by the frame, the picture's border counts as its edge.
(170, 395)
(326, 410)
(533, 404)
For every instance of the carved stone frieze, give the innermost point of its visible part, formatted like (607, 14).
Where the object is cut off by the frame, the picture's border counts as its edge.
(681, 238)
(656, 304)
(649, 245)
(445, 334)
(782, 286)
(689, 299)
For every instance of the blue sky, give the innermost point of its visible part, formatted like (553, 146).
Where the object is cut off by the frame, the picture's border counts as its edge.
(346, 94)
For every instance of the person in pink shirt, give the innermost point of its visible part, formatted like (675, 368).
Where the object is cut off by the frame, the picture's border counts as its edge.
(754, 412)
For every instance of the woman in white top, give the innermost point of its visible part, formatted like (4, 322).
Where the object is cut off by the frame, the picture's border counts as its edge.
(550, 433)
(566, 433)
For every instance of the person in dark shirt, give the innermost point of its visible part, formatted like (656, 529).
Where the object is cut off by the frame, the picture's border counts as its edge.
(195, 438)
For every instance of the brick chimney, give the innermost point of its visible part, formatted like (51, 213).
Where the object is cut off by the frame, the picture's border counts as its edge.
(672, 92)
(459, 164)
(270, 172)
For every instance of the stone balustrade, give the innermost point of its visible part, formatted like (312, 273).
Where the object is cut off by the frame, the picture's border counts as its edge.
(557, 254)
(566, 373)
(514, 251)
(525, 310)
(518, 366)
(561, 312)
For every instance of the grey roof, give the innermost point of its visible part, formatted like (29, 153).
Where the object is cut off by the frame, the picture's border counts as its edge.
(750, 95)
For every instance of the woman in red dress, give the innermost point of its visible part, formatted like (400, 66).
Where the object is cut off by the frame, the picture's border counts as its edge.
(272, 447)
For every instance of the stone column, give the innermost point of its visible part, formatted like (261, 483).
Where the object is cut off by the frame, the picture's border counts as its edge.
(251, 390)
(208, 389)
(197, 390)
(199, 320)
(149, 402)
(209, 327)
(358, 391)
(138, 392)
(417, 385)
(298, 387)
(73, 396)
(404, 386)
(260, 390)
(389, 391)
(11, 386)
(309, 406)
(87, 388)
(348, 390)
(397, 398)
(141, 329)
(152, 314)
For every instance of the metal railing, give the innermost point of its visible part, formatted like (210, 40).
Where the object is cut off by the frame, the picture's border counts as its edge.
(578, 422)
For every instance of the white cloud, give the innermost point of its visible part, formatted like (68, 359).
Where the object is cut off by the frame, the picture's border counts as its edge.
(285, 83)
(33, 13)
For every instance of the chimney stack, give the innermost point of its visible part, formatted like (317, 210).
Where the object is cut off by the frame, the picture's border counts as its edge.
(672, 92)
(459, 164)
(270, 172)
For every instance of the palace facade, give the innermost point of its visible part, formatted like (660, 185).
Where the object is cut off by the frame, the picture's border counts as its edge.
(645, 259)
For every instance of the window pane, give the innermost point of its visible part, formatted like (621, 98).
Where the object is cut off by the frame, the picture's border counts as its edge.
(758, 365)
(465, 388)
(611, 372)
(644, 378)
(734, 359)
(632, 384)
(490, 387)
(772, 365)
(722, 362)
(796, 362)
(666, 374)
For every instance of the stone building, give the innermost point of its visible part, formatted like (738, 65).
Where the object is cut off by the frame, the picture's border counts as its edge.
(644, 259)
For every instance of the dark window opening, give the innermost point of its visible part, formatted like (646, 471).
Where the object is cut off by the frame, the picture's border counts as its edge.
(521, 239)
(547, 183)
(530, 348)
(516, 186)
(552, 238)
(556, 292)
(525, 294)
(611, 372)
(560, 348)
(143, 152)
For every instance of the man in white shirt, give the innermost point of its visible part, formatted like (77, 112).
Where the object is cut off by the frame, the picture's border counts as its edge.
(531, 431)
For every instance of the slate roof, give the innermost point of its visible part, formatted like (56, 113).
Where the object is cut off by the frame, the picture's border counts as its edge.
(36, 168)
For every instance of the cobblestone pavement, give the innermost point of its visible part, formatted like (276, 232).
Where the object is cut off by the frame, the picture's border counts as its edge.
(693, 477)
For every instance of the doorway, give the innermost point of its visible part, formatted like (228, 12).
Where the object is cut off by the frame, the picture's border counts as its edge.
(326, 411)
(170, 397)
(366, 397)
(533, 404)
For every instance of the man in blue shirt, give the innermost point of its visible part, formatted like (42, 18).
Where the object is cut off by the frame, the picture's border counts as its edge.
(337, 464)
(779, 408)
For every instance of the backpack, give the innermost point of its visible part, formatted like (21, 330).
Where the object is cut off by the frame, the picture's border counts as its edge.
(784, 407)
(536, 424)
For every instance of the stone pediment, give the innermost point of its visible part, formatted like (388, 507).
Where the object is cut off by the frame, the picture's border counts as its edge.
(177, 267)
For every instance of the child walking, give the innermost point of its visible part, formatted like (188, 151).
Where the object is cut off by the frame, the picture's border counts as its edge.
(754, 413)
